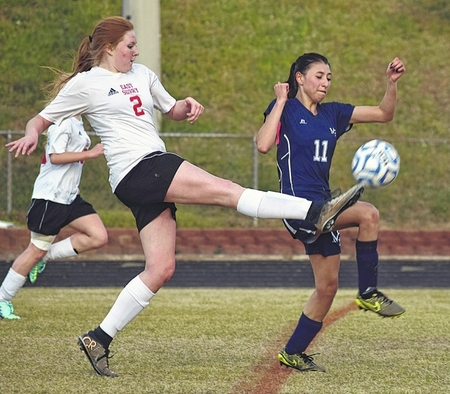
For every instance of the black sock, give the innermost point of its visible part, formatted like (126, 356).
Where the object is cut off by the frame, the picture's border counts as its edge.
(101, 336)
(314, 211)
(303, 334)
(367, 262)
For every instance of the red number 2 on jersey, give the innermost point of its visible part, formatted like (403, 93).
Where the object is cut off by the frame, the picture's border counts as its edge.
(137, 105)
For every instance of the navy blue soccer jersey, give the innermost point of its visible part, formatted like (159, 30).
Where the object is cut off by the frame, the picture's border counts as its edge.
(306, 145)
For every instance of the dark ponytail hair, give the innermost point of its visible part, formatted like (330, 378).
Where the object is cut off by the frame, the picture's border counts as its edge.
(302, 65)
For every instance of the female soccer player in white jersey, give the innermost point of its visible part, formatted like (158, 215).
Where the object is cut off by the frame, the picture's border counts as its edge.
(306, 131)
(56, 203)
(118, 97)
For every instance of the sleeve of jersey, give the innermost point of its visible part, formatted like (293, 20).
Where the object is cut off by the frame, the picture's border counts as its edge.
(162, 100)
(267, 112)
(58, 137)
(73, 99)
(344, 114)
(269, 109)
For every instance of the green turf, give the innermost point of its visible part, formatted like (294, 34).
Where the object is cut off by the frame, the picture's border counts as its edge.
(224, 341)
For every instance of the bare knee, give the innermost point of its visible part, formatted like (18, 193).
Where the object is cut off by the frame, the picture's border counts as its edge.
(229, 195)
(168, 272)
(371, 215)
(102, 239)
(158, 273)
(98, 239)
(327, 290)
(370, 219)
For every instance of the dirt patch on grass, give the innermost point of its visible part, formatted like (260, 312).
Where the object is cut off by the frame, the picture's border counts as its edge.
(268, 376)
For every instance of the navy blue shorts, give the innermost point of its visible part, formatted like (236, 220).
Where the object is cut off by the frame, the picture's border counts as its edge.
(48, 218)
(144, 188)
(326, 244)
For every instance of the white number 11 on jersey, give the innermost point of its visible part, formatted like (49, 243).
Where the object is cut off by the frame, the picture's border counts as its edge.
(318, 146)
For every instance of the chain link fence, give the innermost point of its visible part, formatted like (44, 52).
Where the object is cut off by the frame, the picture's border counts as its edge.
(419, 197)
(231, 154)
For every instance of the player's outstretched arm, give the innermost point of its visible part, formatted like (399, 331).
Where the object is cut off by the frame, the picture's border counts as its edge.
(188, 108)
(267, 134)
(385, 111)
(27, 144)
(73, 157)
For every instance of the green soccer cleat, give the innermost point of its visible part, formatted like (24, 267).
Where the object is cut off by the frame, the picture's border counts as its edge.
(38, 268)
(97, 355)
(301, 362)
(380, 304)
(7, 311)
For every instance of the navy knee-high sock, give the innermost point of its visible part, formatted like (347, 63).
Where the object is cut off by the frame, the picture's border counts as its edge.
(303, 334)
(367, 260)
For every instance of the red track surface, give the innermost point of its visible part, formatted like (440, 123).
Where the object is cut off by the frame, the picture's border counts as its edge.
(232, 242)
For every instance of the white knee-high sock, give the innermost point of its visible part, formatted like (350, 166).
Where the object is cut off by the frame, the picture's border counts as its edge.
(271, 205)
(130, 302)
(12, 283)
(60, 249)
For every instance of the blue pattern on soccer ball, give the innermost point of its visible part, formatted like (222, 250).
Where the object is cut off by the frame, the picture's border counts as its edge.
(376, 164)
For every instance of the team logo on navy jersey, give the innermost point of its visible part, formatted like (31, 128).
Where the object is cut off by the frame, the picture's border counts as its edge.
(302, 121)
(336, 237)
(333, 131)
(112, 91)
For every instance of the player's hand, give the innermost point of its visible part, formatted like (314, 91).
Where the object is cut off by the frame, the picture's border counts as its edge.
(25, 145)
(195, 109)
(281, 91)
(97, 150)
(395, 69)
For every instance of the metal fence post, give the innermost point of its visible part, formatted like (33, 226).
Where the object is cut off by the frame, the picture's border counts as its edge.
(255, 172)
(9, 178)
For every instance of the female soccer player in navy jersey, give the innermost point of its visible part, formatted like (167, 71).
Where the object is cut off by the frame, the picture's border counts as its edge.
(118, 97)
(306, 131)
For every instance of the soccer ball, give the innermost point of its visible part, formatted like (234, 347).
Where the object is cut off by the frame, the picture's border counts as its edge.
(376, 164)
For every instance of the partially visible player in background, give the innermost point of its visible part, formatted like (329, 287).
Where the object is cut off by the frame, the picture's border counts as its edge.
(305, 133)
(56, 203)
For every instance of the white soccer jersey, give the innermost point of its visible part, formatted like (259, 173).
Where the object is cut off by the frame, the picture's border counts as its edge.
(59, 182)
(119, 107)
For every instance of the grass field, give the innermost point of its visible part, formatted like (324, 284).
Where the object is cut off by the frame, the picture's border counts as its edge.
(225, 341)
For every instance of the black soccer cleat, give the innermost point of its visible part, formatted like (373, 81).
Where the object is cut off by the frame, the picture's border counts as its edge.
(97, 355)
(323, 214)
